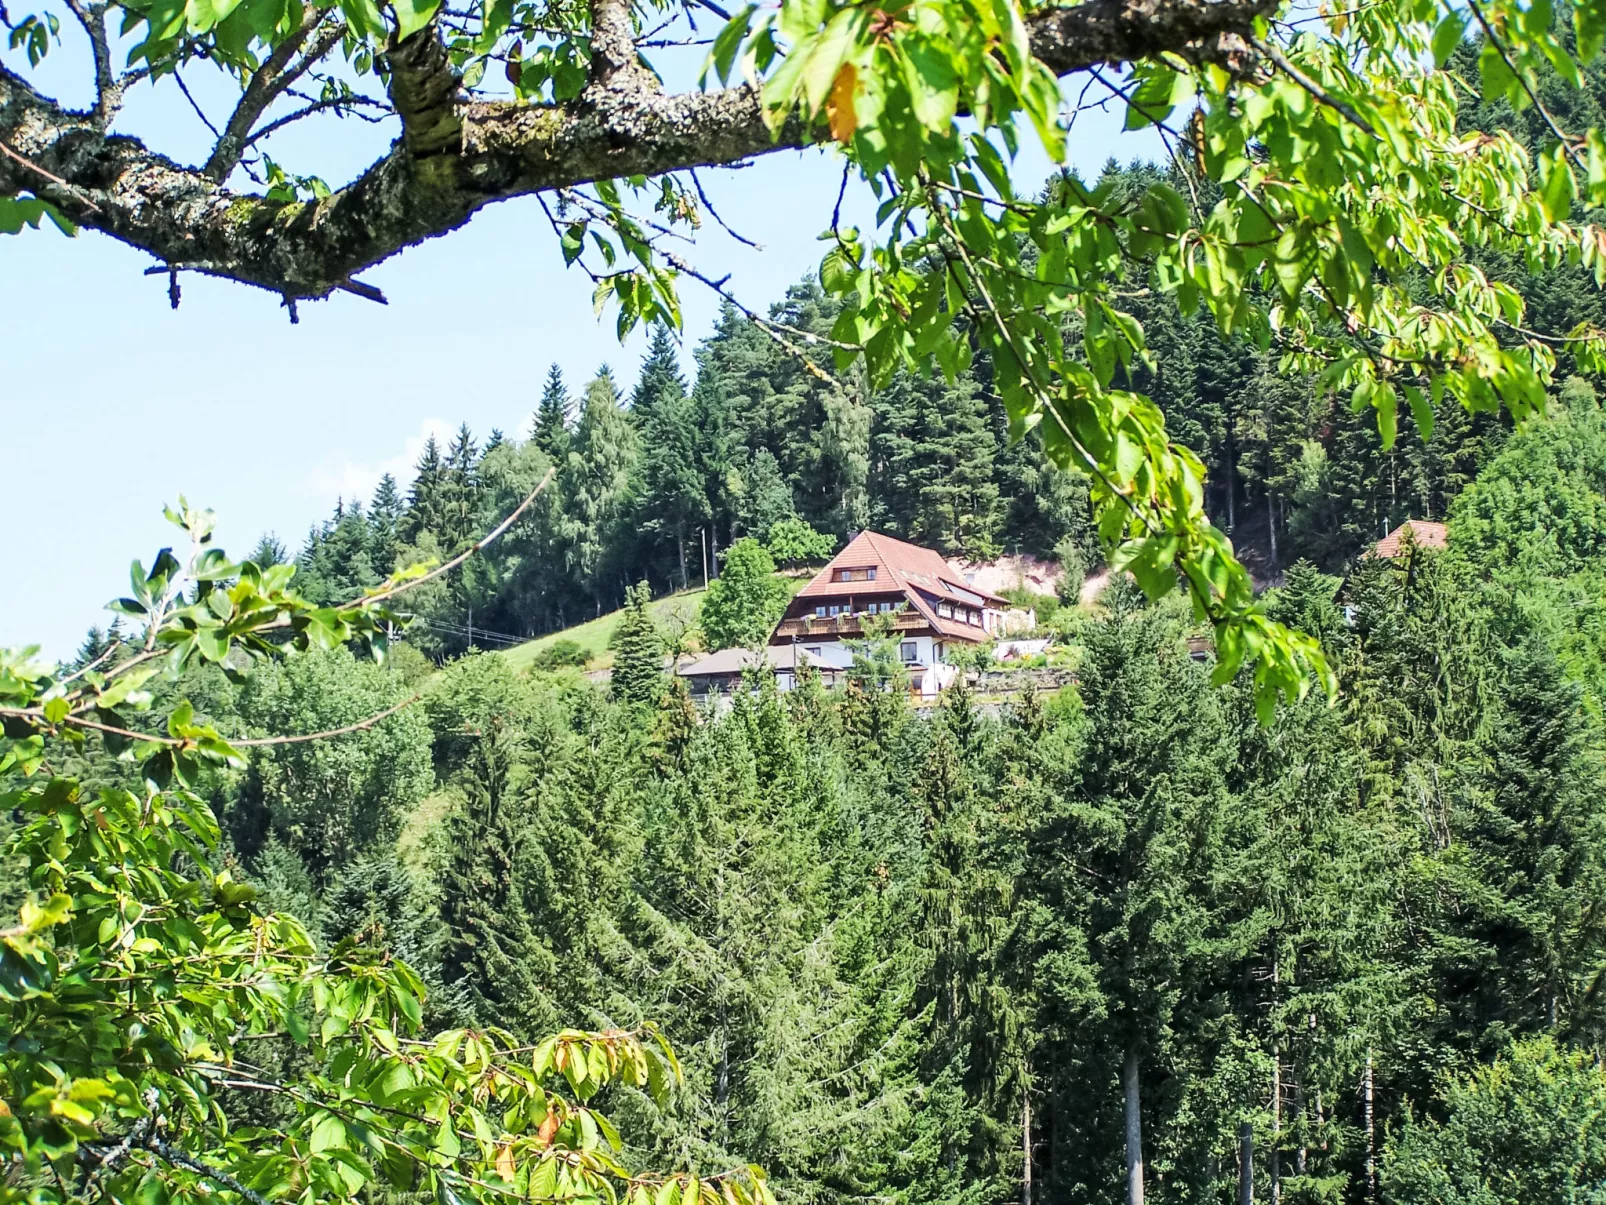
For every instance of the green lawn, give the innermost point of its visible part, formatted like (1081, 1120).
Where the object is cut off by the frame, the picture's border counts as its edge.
(673, 611)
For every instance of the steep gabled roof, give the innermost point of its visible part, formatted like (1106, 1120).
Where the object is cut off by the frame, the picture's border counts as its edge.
(899, 566)
(1425, 534)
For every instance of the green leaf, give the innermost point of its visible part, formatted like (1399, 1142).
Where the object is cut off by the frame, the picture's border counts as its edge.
(412, 16)
(1447, 37)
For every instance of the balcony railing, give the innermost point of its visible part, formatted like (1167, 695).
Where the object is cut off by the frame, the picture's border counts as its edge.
(842, 627)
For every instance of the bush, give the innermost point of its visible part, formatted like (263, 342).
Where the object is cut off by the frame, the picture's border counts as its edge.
(1046, 605)
(561, 654)
(1528, 1130)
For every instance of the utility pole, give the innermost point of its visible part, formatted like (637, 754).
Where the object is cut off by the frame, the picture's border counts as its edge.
(470, 625)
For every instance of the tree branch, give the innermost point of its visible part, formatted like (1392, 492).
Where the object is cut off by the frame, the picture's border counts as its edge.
(456, 155)
(108, 88)
(267, 84)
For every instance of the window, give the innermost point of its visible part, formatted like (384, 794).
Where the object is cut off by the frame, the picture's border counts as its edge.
(812, 651)
(819, 611)
(945, 610)
(835, 610)
(973, 619)
(869, 574)
(908, 651)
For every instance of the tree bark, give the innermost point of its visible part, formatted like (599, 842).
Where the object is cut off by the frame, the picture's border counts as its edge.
(1371, 1133)
(1246, 1164)
(1026, 1148)
(1134, 1128)
(455, 155)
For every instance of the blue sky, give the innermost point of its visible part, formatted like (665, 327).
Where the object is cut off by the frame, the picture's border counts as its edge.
(113, 404)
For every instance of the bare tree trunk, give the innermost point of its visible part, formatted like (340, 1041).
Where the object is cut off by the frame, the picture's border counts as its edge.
(1276, 1125)
(1371, 1133)
(1271, 526)
(1026, 1148)
(1134, 1128)
(1246, 1164)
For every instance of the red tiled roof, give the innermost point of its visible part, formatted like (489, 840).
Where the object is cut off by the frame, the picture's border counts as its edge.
(1425, 534)
(898, 564)
(907, 570)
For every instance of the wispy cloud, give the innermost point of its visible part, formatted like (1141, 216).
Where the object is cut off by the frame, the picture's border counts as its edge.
(357, 481)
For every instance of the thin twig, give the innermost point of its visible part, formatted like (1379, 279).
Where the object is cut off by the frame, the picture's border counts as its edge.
(259, 742)
(1500, 47)
(1287, 66)
(714, 213)
(349, 103)
(488, 538)
(57, 180)
(178, 78)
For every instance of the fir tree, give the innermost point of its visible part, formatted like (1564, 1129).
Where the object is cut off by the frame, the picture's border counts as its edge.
(638, 670)
(660, 376)
(491, 961)
(551, 428)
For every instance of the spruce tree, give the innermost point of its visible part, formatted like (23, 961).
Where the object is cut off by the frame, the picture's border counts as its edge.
(660, 376)
(551, 427)
(673, 502)
(425, 495)
(766, 497)
(598, 483)
(385, 515)
(492, 965)
(458, 504)
(269, 550)
(638, 652)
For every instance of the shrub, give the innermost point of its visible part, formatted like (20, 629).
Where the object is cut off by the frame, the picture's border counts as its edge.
(561, 654)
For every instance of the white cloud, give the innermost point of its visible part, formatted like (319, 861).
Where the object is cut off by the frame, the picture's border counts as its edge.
(358, 481)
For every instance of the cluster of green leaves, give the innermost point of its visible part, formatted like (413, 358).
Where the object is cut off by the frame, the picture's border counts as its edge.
(141, 979)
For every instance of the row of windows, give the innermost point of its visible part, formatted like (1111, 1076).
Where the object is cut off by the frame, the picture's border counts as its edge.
(908, 651)
(824, 611)
(949, 611)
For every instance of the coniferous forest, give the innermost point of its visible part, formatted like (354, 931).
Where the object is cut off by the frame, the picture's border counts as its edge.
(1143, 937)
(900, 953)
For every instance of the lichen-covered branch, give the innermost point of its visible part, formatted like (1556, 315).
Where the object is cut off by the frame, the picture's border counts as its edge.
(455, 155)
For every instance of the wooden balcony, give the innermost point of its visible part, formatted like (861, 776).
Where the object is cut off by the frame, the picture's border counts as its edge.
(843, 627)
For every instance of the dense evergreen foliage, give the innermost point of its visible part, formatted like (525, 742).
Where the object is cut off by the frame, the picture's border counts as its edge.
(1116, 932)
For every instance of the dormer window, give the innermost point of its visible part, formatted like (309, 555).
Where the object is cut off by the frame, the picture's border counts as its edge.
(866, 574)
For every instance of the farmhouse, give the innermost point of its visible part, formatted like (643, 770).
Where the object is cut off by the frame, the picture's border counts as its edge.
(932, 609)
